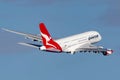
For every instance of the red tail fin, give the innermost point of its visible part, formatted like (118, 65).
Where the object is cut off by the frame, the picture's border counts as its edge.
(48, 42)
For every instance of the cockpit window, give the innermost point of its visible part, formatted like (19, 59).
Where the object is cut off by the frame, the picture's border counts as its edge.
(92, 37)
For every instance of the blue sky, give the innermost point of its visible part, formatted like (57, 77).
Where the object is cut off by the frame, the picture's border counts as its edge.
(62, 18)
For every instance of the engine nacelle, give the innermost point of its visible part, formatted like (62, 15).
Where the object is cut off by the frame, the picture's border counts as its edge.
(107, 52)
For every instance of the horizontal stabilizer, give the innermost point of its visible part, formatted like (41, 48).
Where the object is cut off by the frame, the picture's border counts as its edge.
(30, 45)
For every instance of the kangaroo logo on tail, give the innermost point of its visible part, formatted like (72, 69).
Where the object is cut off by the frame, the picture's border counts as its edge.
(47, 40)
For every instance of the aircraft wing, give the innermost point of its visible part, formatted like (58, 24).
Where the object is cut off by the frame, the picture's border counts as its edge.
(30, 45)
(28, 36)
(95, 49)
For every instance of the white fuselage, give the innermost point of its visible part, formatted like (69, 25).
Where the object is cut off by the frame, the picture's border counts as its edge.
(71, 43)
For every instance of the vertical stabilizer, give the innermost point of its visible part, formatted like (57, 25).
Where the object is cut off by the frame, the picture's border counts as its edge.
(47, 40)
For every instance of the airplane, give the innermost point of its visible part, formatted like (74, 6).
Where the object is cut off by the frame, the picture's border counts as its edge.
(83, 42)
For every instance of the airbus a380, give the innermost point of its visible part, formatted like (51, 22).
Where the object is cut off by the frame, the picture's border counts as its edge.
(83, 42)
